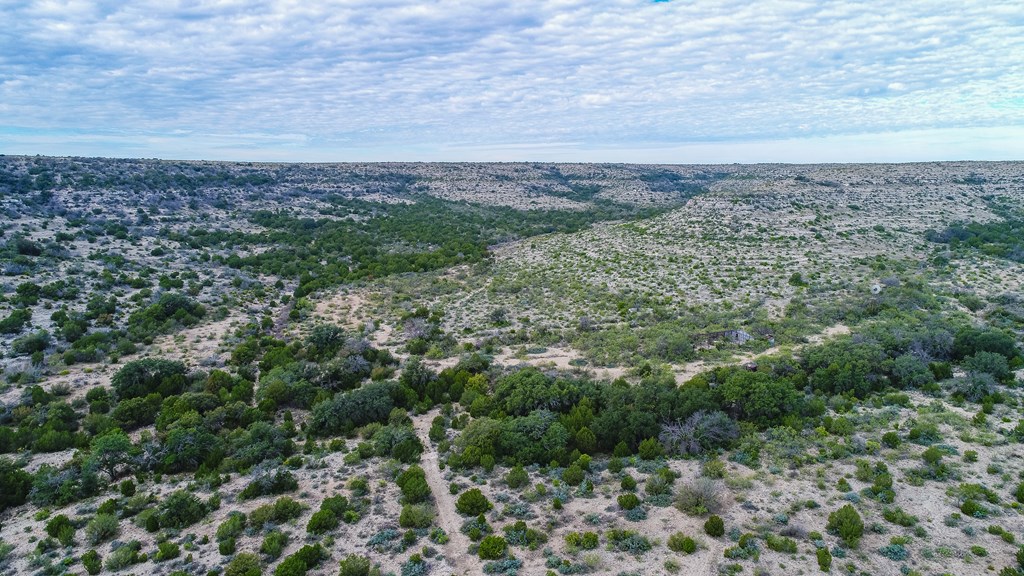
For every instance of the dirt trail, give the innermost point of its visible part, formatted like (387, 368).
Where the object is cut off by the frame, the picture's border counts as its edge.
(448, 518)
(684, 372)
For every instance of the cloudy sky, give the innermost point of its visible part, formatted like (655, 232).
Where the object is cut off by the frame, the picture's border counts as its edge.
(627, 80)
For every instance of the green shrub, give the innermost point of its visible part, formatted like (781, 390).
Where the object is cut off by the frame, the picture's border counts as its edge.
(101, 528)
(628, 541)
(244, 564)
(125, 556)
(353, 565)
(585, 540)
(517, 477)
(898, 516)
(413, 483)
(472, 502)
(714, 527)
(232, 526)
(321, 522)
(649, 449)
(780, 544)
(891, 440)
(824, 559)
(680, 542)
(416, 516)
(274, 543)
(276, 482)
(573, 475)
(628, 501)
(61, 528)
(281, 511)
(167, 551)
(92, 562)
(847, 524)
(181, 510)
(492, 548)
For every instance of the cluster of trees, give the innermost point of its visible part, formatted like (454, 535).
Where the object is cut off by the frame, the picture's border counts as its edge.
(1003, 239)
(359, 239)
(531, 417)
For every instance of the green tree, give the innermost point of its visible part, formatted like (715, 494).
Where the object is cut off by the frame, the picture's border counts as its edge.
(112, 453)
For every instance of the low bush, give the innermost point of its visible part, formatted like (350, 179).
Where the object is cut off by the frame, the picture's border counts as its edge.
(274, 543)
(101, 528)
(714, 527)
(680, 542)
(492, 548)
(699, 497)
(472, 502)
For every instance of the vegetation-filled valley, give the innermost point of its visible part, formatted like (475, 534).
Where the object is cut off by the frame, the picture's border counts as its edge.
(412, 369)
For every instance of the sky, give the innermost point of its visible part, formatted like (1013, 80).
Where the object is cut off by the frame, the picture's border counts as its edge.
(678, 81)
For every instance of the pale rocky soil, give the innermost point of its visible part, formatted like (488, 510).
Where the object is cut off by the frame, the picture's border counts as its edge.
(742, 242)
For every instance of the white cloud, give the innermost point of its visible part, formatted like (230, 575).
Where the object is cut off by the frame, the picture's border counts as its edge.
(442, 77)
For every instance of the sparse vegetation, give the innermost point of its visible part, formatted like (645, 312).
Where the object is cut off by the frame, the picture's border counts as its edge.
(357, 355)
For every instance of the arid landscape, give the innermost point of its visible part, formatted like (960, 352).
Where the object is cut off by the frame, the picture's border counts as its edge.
(510, 368)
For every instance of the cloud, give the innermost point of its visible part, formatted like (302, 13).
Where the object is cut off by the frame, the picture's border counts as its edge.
(442, 77)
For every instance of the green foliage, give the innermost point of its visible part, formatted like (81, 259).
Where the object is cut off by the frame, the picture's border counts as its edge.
(61, 528)
(347, 411)
(15, 321)
(93, 562)
(281, 511)
(269, 482)
(649, 449)
(894, 552)
(847, 524)
(413, 483)
(582, 540)
(354, 565)
(891, 439)
(573, 475)
(898, 516)
(680, 542)
(232, 526)
(780, 544)
(517, 477)
(274, 542)
(472, 502)
(140, 378)
(628, 501)
(714, 526)
(167, 551)
(628, 541)
(181, 509)
(824, 559)
(170, 311)
(492, 548)
(1001, 239)
(244, 564)
(416, 516)
(322, 521)
(101, 528)
(124, 556)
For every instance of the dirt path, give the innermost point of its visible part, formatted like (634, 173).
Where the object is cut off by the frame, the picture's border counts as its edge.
(685, 372)
(448, 518)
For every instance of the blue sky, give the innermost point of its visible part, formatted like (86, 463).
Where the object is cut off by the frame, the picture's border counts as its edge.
(562, 80)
